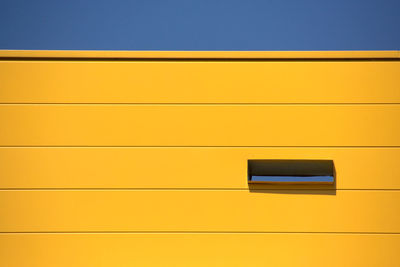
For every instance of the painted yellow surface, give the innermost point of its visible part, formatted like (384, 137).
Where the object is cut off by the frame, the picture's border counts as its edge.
(199, 82)
(171, 187)
(200, 210)
(198, 54)
(281, 250)
(200, 125)
(184, 167)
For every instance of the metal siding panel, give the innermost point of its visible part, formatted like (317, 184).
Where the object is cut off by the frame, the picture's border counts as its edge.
(109, 250)
(184, 167)
(199, 82)
(200, 210)
(200, 125)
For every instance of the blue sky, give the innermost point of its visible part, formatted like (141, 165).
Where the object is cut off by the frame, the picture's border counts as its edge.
(200, 25)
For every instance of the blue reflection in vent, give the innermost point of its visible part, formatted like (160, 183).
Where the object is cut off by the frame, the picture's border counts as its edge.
(292, 179)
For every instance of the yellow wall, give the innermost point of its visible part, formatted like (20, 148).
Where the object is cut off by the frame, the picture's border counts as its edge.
(140, 158)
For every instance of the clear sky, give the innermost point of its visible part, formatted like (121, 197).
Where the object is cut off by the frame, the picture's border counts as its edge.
(200, 24)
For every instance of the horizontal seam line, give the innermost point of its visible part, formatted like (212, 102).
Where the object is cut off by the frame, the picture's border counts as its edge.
(196, 59)
(193, 104)
(191, 189)
(194, 232)
(148, 146)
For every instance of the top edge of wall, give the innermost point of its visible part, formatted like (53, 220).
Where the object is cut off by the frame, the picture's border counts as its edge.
(200, 54)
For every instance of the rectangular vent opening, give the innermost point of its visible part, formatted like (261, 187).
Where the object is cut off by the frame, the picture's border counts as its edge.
(291, 171)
